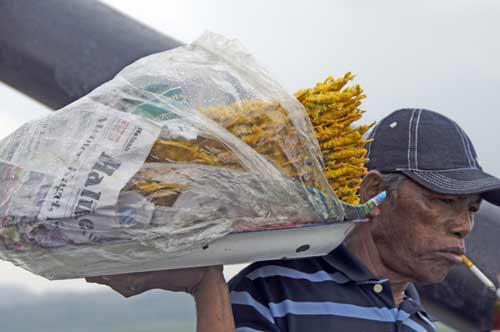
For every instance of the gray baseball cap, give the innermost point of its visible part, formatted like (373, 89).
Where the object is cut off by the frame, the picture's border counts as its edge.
(433, 151)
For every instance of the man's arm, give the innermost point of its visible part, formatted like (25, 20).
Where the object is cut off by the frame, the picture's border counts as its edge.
(213, 306)
(206, 284)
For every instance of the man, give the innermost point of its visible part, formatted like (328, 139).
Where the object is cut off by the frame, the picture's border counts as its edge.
(429, 168)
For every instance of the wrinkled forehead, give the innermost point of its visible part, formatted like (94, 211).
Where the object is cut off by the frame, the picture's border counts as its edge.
(414, 186)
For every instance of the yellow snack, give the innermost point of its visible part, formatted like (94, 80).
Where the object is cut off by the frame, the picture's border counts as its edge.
(332, 107)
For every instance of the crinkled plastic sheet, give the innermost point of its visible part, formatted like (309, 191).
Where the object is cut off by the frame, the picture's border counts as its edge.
(70, 204)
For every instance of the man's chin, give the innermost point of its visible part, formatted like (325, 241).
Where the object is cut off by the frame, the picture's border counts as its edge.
(433, 277)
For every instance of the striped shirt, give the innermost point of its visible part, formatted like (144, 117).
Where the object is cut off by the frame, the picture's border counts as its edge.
(328, 293)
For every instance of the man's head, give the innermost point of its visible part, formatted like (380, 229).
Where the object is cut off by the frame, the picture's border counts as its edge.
(419, 233)
(435, 185)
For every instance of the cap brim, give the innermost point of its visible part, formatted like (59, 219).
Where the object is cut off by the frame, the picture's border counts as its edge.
(458, 182)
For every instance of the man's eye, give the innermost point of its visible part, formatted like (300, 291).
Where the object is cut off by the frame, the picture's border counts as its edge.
(474, 209)
(446, 201)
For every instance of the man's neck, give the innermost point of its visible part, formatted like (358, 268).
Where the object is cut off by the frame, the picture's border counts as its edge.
(360, 243)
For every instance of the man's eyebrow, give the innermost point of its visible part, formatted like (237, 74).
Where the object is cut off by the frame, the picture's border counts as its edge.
(474, 200)
(448, 196)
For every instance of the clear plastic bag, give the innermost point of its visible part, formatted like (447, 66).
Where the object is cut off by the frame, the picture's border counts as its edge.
(178, 150)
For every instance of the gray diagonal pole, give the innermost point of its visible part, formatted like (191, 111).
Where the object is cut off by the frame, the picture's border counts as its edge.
(56, 51)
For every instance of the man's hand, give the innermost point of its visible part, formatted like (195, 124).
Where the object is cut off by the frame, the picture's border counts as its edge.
(181, 280)
(206, 284)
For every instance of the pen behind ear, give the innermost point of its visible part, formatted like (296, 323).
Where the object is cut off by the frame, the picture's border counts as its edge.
(360, 212)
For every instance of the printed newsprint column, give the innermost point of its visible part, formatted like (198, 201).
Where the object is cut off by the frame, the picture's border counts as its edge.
(73, 164)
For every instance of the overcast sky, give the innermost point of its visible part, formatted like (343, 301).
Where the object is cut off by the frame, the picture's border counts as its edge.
(440, 55)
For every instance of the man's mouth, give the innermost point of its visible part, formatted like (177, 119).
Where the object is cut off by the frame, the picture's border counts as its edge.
(453, 255)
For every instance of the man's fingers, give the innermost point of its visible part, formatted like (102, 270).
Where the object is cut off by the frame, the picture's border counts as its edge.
(94, 280)
(185, 280)
(102, 280)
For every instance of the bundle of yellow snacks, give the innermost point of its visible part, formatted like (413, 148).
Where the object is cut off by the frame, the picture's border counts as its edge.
(181, 148)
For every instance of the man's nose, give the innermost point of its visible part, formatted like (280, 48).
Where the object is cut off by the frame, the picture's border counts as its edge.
(463, 224)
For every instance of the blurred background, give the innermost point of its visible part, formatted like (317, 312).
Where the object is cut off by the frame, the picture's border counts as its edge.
(427, 54)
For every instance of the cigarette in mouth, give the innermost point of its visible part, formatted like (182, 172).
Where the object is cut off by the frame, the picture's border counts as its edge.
(480, 275)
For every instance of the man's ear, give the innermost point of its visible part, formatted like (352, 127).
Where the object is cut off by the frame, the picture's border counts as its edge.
(372, 184)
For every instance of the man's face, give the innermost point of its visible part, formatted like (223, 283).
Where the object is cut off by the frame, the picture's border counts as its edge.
(420, 234)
